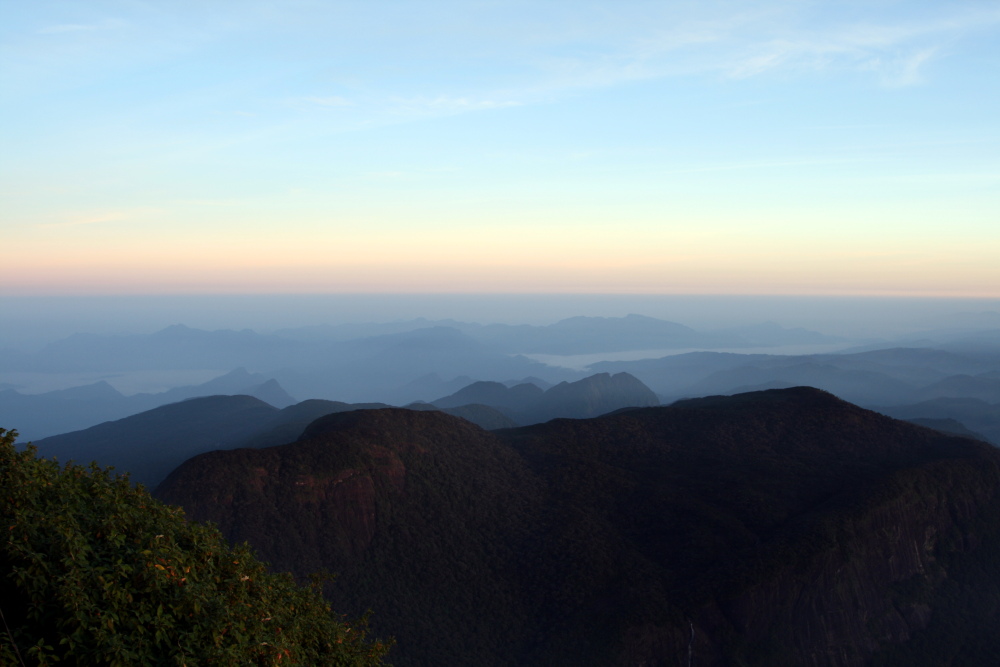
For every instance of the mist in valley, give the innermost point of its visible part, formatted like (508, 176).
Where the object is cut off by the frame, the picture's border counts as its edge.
(70, 363)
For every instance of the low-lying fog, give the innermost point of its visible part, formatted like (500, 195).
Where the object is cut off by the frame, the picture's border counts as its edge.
(69, 363)
(30, 322)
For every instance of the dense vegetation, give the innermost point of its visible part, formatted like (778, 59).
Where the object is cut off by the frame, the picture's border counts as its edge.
(94, 571)
(780, 527)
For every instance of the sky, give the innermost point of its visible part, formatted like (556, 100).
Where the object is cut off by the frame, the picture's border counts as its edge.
(543, 147)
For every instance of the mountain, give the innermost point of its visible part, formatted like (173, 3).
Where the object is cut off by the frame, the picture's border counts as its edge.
(238, 381)
(583, 335)
(287, 424)
(778, 527)
(580, 335)
(860, 386)
(482, 416)
(948, 426)
(871, 378)
(499, 395)
(528, 404)
(150, 444)
(771, 334)
(61, 411)
(385, 368)
(973, 413)
(66, 410)
(983, 386)
(592, 396)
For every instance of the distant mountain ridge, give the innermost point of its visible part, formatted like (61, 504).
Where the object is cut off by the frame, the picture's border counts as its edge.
(878, 377)
(150, 444)
(528, 404)
(63, 411)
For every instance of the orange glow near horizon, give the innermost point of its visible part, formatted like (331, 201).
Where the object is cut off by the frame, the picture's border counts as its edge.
(590, 259)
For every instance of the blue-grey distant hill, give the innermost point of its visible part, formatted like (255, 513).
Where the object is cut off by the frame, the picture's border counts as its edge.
(871, 378)
(41, 415)
(150, 444)
(528, 404)
(977, 415)
(179, 346)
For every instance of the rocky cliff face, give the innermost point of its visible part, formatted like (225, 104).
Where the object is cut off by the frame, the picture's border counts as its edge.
(781, 527)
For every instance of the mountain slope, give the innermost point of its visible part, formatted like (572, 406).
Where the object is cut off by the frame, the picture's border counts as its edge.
(150, 444)
(780, 527)
(65, 410)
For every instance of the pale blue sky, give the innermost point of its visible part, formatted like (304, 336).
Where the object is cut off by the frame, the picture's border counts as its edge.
(722, 147)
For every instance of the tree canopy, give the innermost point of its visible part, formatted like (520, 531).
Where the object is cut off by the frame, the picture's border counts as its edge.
(94, 571)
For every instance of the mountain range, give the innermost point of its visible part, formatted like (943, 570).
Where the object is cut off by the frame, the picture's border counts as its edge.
(774, 527)
(404, 362)
(150, 444)
(527, 403)
(62, 411)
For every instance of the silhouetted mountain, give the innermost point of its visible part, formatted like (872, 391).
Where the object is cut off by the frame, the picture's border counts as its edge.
(39, 415)
(66, 410)
(287, 425)
(346, 332)
(948, 426)
(528, 404)
(977, 415)
(859, 386)
(150, 444)
(983, 387)
(591, 396)
(496, 394)
(385, 366)
(876, 377)
(784, 527)
(538, 382)
(770, 334)
(482, 416)
(978, 342)
(582, 335)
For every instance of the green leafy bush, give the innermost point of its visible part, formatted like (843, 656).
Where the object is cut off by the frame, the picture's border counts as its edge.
(96, 572)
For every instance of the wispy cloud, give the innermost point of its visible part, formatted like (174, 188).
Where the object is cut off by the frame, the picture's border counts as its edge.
(897, 53)
(906, 71)
(60, 28)
(746, 44)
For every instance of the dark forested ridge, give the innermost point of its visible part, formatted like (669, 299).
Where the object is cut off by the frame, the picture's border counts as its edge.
(778, 527)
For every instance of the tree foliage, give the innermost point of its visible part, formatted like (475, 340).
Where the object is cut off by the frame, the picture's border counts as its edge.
(96, 572)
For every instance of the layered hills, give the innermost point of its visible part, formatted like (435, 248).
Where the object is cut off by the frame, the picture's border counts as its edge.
(150, 444)
(527, 403)
(776, 527)
(65, 410)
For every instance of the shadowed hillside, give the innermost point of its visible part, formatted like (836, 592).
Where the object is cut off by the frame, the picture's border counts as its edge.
(780, 527)
(148, 445)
